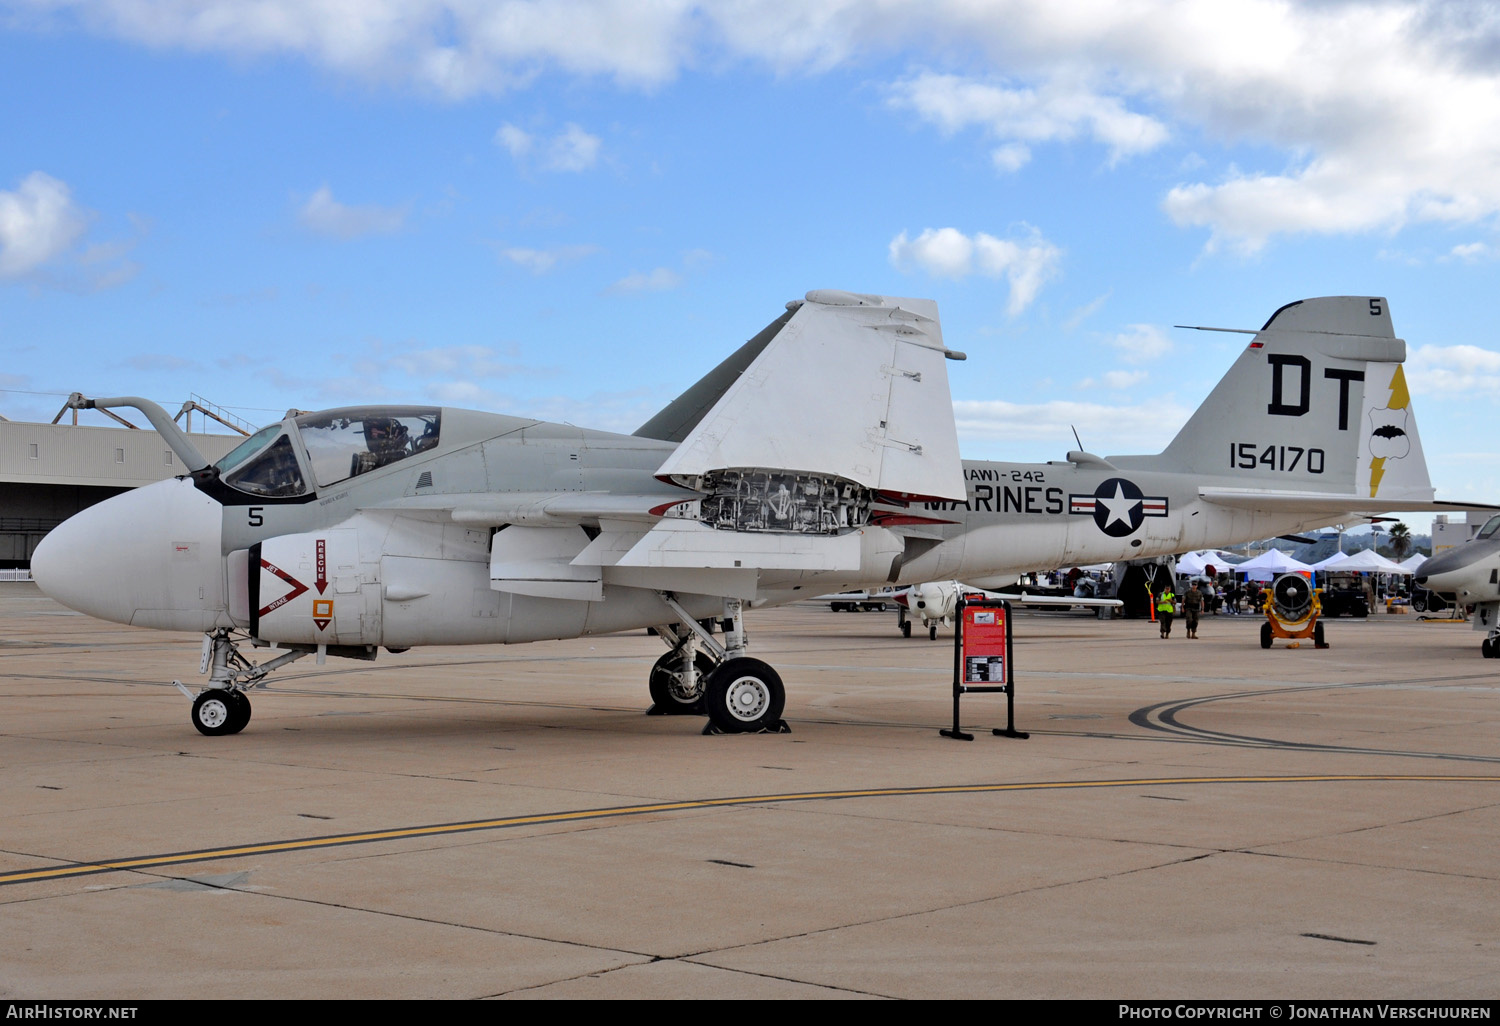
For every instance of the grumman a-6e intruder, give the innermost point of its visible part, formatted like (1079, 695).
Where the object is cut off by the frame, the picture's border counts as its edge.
(820, 456)
(337, 532)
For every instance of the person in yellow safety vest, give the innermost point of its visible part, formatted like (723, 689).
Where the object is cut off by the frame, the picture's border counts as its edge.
(1166, 603)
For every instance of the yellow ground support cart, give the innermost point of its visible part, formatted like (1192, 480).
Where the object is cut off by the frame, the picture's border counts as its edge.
(1292, 608)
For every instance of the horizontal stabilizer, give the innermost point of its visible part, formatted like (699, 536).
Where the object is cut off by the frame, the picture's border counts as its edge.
(852, 387)
(1267, 501)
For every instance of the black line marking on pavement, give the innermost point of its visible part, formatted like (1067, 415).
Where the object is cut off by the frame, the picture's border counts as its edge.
(1163, 718)
(76, 869)
(1341, 940)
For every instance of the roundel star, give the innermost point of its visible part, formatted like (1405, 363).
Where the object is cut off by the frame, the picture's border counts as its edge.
(1123, 508)
(1118, 506)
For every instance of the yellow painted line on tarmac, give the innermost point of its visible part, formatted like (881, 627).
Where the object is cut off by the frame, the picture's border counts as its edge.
(542, 819)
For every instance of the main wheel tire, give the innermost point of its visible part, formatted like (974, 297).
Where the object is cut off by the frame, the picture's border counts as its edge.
(240, 711)
(214, 712)
(1265, 635)
(744, 695)
(906, 628)
(932, 633)
(1487, 648)
(668, 691)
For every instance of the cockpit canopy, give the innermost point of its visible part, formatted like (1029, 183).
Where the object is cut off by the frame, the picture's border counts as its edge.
(1490, 527)
(335, 446)
(346, 443)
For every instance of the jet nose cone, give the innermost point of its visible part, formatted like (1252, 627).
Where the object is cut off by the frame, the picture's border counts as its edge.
(149, 556)
(48, 568)
(1459, 571)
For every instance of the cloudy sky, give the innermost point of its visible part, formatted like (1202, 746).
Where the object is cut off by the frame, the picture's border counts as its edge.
(572, 209)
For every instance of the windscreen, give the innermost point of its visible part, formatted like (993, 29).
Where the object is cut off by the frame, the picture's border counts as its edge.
(274, 472)
(249, 447)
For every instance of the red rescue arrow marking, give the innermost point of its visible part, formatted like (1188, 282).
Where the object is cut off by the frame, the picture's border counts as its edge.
(322, 581)
(297, 587)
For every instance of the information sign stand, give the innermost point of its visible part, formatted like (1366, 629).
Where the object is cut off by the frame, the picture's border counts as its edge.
(984, 660)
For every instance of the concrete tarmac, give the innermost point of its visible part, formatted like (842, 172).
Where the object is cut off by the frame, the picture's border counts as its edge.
(1189, 819)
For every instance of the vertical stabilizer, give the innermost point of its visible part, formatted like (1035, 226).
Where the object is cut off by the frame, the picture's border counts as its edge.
(1317, 402)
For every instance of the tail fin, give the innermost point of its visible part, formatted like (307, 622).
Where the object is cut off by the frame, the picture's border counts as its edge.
(1317, 403)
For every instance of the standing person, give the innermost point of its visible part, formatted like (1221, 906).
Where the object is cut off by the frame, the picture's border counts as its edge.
(1166, 602)
(1192, 605)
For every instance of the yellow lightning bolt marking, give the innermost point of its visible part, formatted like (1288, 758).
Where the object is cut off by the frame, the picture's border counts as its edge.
(1399, 395)
(1400, 398)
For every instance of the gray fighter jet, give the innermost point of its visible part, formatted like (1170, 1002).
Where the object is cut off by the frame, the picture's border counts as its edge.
(821, 455)
(1470, 575)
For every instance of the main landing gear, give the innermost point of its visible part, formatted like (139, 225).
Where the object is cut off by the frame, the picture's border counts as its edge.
(740, 695)
(223, 707)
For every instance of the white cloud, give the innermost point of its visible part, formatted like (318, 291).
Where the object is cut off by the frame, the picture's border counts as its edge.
(1010, 157)
(1143, 427)
(573, 150)
(1472, 252)
(324, 215)
(39, 222)
(1086, 311)
(1140, 343)
(1362, 115)
(1120, 380)
(1452, 370)
(471, 362)
(659, 279)
(516, 141)
(1057, 111)
(948, 253)
(540, 261)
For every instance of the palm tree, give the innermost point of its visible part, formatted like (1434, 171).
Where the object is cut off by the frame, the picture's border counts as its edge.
(1400, 540)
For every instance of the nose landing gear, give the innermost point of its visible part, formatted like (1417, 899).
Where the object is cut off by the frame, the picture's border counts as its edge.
(223, 707)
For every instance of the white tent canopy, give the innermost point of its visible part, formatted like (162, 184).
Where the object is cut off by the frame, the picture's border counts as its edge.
(1413, 563)
(1190, 564)
(1370, 562)
(1332, 561)
(1268, 564)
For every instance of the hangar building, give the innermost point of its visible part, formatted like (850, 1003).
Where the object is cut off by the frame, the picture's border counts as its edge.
(48, 472)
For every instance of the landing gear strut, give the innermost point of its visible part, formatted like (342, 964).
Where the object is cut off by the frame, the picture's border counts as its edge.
(223, 707)
(739, 694)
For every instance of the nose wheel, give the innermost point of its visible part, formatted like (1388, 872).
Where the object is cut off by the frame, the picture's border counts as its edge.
(220, 711)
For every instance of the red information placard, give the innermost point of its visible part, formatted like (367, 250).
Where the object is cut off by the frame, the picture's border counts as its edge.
(984, 646)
